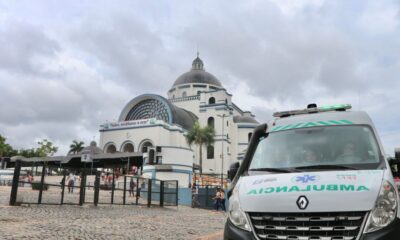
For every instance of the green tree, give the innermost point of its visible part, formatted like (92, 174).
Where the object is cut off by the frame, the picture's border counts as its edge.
(200, 136)
(5, 149)
(2, 145)
(10, 151)
(46, 148)
(28, 153)
(76, 147)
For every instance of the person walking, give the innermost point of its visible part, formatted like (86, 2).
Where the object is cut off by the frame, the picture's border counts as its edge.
(71, 181)
(222, 199)
(134, 170)
(132, 186)
(117, 173)
(103, 176)
(30, 178)
(217, 200)
(195, 195)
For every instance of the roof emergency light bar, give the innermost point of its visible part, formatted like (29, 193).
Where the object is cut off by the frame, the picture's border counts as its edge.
(313, 109)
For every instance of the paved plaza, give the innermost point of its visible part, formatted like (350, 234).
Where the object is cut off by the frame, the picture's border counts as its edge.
(106, 221)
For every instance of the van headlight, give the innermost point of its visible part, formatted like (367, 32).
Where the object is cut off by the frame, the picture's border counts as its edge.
(385, 209)
(236, 215)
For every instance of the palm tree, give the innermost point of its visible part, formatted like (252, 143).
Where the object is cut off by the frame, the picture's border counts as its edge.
(76, 147)
(200, 136)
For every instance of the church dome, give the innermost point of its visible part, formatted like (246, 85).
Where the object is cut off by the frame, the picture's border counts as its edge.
(92, 148)
(197, 75)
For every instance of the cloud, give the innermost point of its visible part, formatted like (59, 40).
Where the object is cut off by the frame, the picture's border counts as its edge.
(380, 17)
(126, 49)
(46, 93)
(277, 54)
(25, 49)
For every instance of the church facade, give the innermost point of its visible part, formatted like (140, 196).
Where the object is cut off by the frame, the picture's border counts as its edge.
(156, 126)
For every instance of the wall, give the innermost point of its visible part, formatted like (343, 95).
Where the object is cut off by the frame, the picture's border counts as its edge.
(185, 196)
(165, 172)
(177, 155)
(160, 134)
(183, 179)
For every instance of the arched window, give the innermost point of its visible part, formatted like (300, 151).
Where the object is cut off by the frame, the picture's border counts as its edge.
(111, 148)
(210, 122)
(211, 100)
(145, 146)
(249, 136)
(210, 152)
(128, 147)
(227, 123)
(226, 101)
(149, 108)
(173, 96)
(184, 94)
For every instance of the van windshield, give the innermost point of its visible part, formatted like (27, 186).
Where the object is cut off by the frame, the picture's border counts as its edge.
(330, 147)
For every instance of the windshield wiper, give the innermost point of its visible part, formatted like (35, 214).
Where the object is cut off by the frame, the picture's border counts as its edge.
(281, 170)
(327, 167)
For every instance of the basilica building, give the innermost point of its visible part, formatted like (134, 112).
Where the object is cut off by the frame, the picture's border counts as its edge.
(154, 126)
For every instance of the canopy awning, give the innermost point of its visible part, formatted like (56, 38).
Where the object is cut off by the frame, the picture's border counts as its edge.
(74, 161)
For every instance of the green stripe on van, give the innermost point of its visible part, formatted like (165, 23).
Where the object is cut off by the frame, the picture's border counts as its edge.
(335, 122)
(297, 125)
(277, 128)
(346, 121)
(311, 124)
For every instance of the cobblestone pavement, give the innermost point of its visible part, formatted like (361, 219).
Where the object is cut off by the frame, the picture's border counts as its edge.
(105, 221)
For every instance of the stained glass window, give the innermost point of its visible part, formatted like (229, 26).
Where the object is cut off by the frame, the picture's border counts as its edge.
(149, 108)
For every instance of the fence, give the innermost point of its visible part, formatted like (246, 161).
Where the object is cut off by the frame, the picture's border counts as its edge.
(205, 196)
(4, 182)
(55, 190)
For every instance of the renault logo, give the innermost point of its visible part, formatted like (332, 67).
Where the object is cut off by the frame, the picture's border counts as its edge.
(302, 202)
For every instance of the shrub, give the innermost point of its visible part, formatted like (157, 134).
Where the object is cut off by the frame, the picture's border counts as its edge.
(36, 186)
(105, 186)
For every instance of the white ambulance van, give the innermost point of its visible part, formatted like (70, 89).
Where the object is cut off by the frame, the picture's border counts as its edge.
(317, 173)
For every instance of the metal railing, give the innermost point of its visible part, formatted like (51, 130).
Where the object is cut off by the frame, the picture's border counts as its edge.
(205, 197)
(56, 190)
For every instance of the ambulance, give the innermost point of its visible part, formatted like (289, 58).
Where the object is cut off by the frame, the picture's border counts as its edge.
(318, 173)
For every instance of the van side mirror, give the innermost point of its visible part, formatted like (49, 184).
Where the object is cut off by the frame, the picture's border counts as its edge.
(233, 169)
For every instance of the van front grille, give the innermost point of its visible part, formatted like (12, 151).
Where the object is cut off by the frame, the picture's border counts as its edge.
(307, 226)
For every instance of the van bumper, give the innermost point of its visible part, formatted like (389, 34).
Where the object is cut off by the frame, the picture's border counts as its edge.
(391, 232)
(233, 233)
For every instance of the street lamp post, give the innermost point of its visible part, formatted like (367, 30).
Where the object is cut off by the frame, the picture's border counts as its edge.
(222, 146)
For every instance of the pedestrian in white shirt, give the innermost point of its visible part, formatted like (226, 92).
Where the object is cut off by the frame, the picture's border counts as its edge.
(71, 182)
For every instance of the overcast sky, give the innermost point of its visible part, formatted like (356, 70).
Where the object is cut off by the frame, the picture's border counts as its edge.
(68, 66)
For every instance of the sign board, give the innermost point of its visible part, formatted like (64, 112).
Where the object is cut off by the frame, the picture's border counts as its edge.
(126, 124)
(86, 156)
